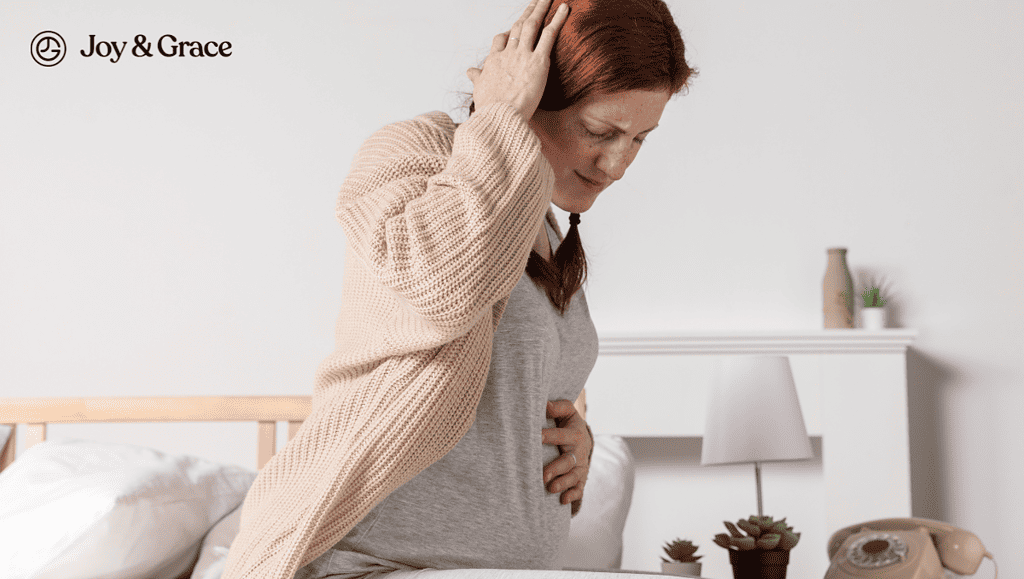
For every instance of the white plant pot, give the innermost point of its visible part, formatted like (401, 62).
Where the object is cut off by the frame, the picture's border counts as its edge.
(872, 318)
(681, 569)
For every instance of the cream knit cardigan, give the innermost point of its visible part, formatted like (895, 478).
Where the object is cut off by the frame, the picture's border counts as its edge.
(439, 230)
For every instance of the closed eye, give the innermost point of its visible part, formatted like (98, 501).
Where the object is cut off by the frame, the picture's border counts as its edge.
(603, 135)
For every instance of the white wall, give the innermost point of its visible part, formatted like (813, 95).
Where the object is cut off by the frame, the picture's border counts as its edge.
(166, 225)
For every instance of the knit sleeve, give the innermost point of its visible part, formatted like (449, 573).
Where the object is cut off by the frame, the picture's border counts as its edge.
(448, 233)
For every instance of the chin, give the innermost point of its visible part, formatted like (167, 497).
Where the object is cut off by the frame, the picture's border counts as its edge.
(575, 206)
(576, 200)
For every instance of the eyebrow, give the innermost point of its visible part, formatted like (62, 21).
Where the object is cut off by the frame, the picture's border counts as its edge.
(621, 130)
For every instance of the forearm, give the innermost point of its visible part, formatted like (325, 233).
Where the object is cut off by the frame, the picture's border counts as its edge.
(448, 240)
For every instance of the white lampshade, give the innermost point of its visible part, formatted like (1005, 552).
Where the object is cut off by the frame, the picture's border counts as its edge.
(754, 414)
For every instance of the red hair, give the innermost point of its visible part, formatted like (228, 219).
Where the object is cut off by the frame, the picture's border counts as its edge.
(604, 47)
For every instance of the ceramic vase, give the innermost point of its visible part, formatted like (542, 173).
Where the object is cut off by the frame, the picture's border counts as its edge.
(872, 318)
(838, 291)
(681, 569)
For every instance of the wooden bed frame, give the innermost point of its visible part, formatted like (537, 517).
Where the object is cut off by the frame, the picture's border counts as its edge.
(267, 411)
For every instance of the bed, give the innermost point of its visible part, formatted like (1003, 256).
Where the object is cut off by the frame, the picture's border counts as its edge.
(74, 509)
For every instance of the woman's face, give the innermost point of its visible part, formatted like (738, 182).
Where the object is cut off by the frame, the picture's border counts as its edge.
(597, 138)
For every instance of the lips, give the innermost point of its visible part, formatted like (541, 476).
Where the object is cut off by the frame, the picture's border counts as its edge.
(589, 181)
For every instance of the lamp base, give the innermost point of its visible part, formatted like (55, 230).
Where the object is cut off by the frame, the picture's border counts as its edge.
(758, 564)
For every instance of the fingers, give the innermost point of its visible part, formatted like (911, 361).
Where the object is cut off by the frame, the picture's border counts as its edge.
(519, 29)
(528, 11)
(525, 29)
(547, 38)
(563, 465)
(562, 437)
(564, 474)
(571, 495)
(564, 482)
(499, 41)
(528, 29)
(561, 408)
(570, 483)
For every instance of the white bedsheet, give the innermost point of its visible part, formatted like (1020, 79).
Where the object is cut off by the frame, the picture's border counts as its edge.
(520, 574)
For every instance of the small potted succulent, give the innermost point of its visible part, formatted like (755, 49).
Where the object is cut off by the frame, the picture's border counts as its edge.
(873, 314)
(758, 547)
(872, 317)
(683, 562)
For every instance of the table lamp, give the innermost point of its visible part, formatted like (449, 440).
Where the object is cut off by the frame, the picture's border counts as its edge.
(753, 415)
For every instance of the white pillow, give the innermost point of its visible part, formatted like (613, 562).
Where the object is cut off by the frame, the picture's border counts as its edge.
(595, 534)
(216, 544)
(80, 509)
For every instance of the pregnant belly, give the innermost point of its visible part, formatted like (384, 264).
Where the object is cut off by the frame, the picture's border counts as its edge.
(470, 509)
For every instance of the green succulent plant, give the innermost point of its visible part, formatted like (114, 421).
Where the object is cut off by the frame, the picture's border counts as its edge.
(681, 551)
(875, 287)
(871, 298)
(758, 533)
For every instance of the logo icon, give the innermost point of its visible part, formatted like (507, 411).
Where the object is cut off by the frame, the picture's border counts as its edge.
(48, 48)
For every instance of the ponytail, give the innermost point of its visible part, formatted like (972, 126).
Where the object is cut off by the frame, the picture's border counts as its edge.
(563, 278)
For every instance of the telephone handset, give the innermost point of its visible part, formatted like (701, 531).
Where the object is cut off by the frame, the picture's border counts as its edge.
(903, 549)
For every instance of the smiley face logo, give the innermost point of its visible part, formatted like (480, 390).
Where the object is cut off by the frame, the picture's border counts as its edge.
(48, 48)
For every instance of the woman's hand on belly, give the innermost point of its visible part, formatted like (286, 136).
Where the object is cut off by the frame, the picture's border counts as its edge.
(564, 475)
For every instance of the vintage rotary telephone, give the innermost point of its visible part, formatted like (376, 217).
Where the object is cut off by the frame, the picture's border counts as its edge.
(904, 549)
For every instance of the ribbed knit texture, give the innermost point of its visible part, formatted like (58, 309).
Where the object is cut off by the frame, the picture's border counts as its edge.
(439, 231)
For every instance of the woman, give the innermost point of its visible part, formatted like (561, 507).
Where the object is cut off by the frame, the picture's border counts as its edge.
(442, 433)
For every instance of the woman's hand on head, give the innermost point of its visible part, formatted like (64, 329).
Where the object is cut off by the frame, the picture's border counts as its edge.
(565, 475)
(515, 71)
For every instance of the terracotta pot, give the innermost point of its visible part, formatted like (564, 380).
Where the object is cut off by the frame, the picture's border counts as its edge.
(758, 564)
(681, 569)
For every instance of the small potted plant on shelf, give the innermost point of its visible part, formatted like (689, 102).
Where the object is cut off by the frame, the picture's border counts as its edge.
(872, 317)
(683, 562)
(873, 314)
(758, 547)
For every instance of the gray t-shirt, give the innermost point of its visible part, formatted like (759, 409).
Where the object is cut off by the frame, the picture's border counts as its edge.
(484, 504)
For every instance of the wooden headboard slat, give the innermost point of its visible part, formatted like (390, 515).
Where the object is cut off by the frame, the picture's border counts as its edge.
(156, 409)
(7, 451)
(36, 413)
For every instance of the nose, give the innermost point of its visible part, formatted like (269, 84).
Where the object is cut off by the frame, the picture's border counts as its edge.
(613, 163)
